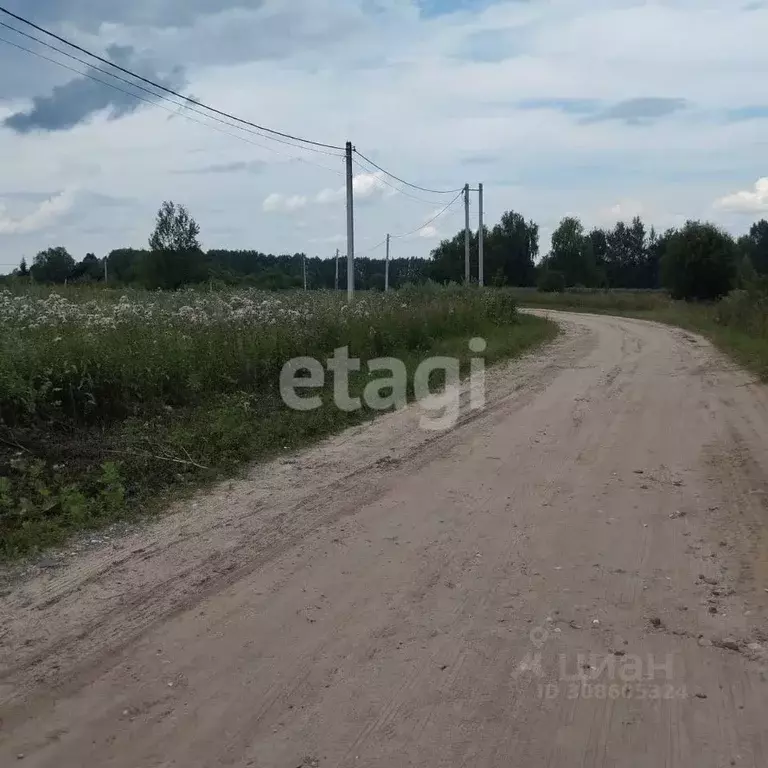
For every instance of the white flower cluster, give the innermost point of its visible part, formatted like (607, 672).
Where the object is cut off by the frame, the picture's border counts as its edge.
(183, 309)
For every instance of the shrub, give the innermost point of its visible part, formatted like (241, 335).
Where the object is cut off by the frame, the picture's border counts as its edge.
(551, 281)
(699, 263)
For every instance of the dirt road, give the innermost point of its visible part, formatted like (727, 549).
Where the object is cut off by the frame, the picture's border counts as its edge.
(576, 576)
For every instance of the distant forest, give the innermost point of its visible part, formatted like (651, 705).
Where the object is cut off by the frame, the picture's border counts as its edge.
(697, 261)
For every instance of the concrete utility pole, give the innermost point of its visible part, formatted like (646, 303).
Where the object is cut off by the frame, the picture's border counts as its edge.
(336, 281)
(480, 241)
(304, 268)
(105, 271)
(386, 268)
(466, 234)
(350, 227)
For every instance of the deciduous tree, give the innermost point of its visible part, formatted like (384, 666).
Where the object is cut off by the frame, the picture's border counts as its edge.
(572, 255)
(175, 257)
(699, 262)
(54, 265)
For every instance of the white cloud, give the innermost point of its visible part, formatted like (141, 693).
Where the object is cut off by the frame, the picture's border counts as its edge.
(624, 210)
(753, 200)
(429, 232)
(329, 195)
(43, 216)
(364, 185)
(277, 203)
(628, 209)
(367, 185)
(335, 70)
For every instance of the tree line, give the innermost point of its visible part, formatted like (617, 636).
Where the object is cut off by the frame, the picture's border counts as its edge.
(696, 261)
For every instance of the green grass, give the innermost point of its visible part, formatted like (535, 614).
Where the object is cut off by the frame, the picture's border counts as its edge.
(737, 325)
(112, 403)
(595, 300)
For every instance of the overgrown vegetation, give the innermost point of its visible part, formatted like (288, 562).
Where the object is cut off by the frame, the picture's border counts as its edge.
(108, 399)
(596, 300)
(110, 395)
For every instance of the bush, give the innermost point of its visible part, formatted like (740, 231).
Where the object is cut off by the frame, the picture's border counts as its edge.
(551, 281)
(699, 263)
(746, 310)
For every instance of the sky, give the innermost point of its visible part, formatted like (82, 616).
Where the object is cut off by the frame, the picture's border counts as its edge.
(604, 109)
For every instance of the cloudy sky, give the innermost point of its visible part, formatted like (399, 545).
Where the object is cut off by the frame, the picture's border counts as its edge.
(599, 108)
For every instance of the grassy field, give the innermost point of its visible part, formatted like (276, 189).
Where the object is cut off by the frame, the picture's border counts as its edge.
(738, 324)
(110, 400)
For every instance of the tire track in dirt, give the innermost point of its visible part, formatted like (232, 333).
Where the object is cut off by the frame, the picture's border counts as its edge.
(384, 588)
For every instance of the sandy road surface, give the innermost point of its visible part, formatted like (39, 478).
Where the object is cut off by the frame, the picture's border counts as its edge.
(396, 598)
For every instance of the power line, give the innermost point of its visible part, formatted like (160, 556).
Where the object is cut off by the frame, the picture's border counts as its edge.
(418, 229)
(434, 218)
(164, 88)
(86, 63)
(392, 186)
(155, 103)
(152, 93)
(407, 183)
(369, 250)
(147, 90)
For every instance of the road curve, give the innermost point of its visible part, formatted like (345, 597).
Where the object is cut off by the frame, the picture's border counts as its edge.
(576, 576)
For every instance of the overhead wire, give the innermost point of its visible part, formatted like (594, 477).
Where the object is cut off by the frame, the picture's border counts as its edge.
(373, 248)
(392, 186)
(181, 108)
(407, 183)
(184, 104)
(192, 105)
(159, 86)
(433, 219)
(414, 231)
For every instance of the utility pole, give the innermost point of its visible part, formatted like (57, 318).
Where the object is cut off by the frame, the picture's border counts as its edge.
(105, 270)
(466, 234)
(336, 281)
(480, 241)
(304, 268)
(386, 268)
(350, 227)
